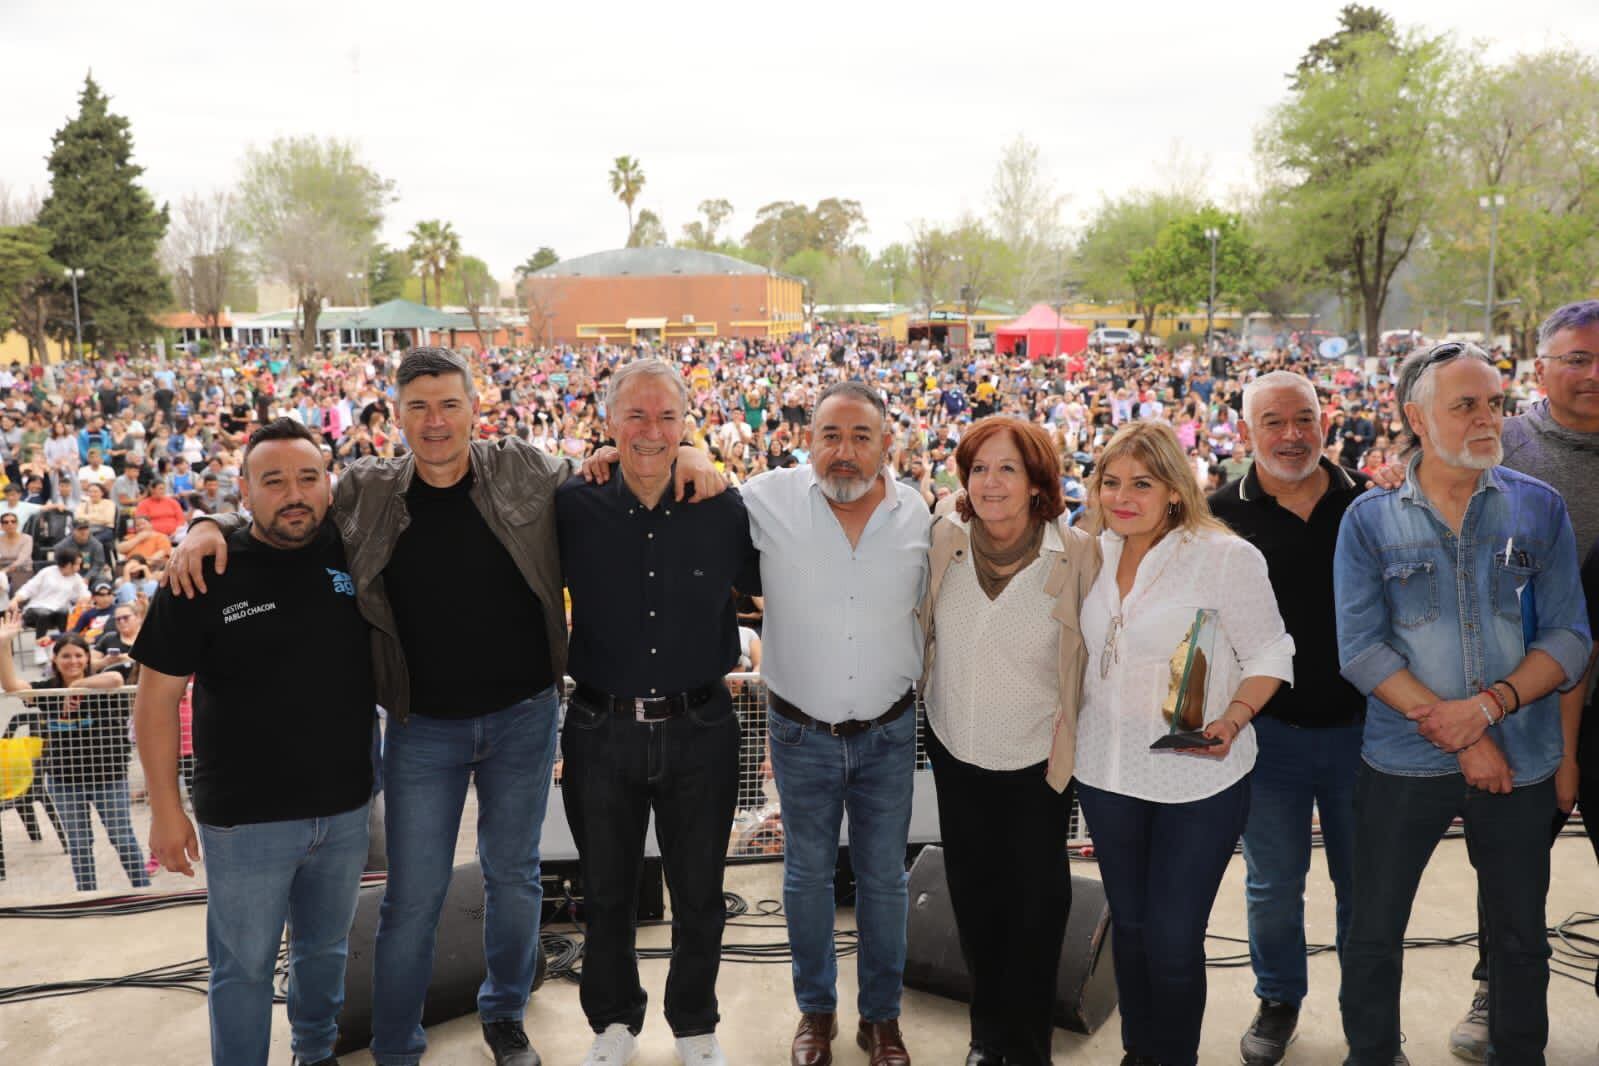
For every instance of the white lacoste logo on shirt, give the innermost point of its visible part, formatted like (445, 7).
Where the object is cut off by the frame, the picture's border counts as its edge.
(234, 612)
(699, 573)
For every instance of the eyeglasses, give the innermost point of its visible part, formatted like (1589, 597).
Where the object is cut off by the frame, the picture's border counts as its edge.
(1581, 362)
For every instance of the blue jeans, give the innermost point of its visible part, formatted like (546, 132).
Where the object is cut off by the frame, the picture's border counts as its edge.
(1295, 768)
(306, 872)
(820, 778)
(427, 765)
(1398, 822)
(1161, 864)
(72, 803)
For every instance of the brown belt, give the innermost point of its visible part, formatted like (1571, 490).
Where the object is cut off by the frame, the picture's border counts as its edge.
(853, 727)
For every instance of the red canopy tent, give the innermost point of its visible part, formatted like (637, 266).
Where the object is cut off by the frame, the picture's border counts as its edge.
(1044, 332)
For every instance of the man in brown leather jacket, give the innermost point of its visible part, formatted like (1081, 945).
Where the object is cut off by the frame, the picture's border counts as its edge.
(425, 536)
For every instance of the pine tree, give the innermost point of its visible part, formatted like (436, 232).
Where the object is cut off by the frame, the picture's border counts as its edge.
(105, 224)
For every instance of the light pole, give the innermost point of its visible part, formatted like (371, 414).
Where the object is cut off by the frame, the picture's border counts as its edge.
(1492, 204)
(73, 274)
(1212, 234)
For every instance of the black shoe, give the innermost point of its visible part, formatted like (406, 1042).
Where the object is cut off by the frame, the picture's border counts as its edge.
(1269, 1034)
(982, 1056)
(1130, 1059)
(331, 1060)
(508, 1041)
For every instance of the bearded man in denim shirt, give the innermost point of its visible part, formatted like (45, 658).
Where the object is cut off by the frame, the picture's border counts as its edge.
(1460, 613)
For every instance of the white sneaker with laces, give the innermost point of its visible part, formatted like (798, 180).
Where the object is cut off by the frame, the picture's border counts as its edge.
(614, 1047)
(700, 1050)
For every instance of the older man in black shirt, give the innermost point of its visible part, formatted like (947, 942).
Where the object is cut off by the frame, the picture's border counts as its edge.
(1289, 504)
(651, 724)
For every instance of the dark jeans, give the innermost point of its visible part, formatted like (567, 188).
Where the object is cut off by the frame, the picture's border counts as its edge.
(1162, 864)
(1006, 828)
(1398, 823)
(615, 771)
(1587, 803)
(1298, 773)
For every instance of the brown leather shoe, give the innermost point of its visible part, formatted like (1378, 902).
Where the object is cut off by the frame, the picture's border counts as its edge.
(881, 1040)
(813, 1040)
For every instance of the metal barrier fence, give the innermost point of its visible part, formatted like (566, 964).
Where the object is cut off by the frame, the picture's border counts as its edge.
(74, 814)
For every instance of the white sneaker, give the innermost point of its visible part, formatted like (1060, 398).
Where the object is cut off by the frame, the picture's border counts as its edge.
(614, 1047)
(700, 1050)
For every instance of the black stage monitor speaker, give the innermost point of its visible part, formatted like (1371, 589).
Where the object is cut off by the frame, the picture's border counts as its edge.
(458, 966)
(1085, 987)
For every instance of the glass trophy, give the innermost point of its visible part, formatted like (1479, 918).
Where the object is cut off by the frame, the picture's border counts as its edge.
(1184, 707)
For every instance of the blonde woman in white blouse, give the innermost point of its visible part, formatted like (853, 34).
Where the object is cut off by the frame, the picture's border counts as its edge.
(1165, 823)
(1002, 669)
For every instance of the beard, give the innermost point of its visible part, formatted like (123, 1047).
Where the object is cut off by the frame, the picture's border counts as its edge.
(846, 488)
(1464, 457)
(280, 533)
(1287, 469)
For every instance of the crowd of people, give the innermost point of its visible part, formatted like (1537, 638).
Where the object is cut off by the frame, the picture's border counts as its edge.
(1036, 546)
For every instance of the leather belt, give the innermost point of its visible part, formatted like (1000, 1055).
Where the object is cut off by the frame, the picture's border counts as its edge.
(853, 727)
(654, 709)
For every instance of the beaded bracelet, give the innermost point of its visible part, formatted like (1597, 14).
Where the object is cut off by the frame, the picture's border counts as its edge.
(1505, 681)
(1504, 709)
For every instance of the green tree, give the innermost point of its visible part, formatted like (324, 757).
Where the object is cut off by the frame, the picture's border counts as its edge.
(1176, 268)
(929, 259)
(1025, 210)
(536, 262)
(702, 232)
(310, 209)
(648, 232)
(26, 273)
(627, 181)
(204, 258)
(101, 221)
(1355, 155)
(1333, 53)
(386, 271)
(1107, 259)
(435, 248)
(976, 258)
(479, 290)
(1522, 131)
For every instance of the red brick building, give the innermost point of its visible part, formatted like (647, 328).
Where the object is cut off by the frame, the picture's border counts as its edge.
(661, 295)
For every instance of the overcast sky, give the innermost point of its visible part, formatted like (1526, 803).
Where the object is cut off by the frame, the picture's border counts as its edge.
(503, 118)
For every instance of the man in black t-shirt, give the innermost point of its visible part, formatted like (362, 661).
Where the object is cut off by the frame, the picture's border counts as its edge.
(1289, 503)
(283, 728)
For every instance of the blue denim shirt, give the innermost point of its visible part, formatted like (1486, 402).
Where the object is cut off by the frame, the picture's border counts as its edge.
(1412, 595)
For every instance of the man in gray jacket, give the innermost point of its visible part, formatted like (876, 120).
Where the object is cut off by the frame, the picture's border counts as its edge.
(425, 535)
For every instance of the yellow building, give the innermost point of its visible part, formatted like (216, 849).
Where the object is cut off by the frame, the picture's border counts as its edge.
(14, 349)
(1167, 322)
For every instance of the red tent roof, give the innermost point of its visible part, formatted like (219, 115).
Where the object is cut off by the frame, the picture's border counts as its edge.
(1038, 317)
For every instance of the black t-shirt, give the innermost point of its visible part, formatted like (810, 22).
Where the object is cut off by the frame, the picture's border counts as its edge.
(455, 588)
(283, 691)
(1299, 565)
(111, 643)
(85, 736)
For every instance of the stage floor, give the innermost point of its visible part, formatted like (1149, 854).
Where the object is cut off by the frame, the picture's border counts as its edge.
(147, 1028)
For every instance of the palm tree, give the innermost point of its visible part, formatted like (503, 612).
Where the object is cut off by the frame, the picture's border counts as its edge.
(435, 248)
(627, 181)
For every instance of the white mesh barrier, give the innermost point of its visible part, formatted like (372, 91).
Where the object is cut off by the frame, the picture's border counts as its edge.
(75, 816)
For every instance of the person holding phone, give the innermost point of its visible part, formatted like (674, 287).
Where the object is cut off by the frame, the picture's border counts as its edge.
(1165, 821)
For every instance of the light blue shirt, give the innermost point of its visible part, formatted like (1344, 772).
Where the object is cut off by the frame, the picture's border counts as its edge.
(840, 638)
(1452, 609)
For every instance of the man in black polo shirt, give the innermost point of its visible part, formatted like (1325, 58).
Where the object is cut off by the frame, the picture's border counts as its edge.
(1289, 504)
(283, 729)
(651, 723)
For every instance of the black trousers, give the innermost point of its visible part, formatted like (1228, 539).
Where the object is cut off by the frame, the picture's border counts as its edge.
(1005, 860)
(616, 770)
(44, 621)
(1587, 803)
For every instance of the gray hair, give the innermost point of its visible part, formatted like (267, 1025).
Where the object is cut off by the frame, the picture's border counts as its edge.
(1277, 379)
(654, 368)
(1572, 316)
(1417, 379)
(853, 390)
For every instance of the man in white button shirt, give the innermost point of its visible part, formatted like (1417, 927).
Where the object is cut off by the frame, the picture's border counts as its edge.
(843, 563)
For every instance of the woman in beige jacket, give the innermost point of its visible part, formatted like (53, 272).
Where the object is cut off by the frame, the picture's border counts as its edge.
(1003, 669)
